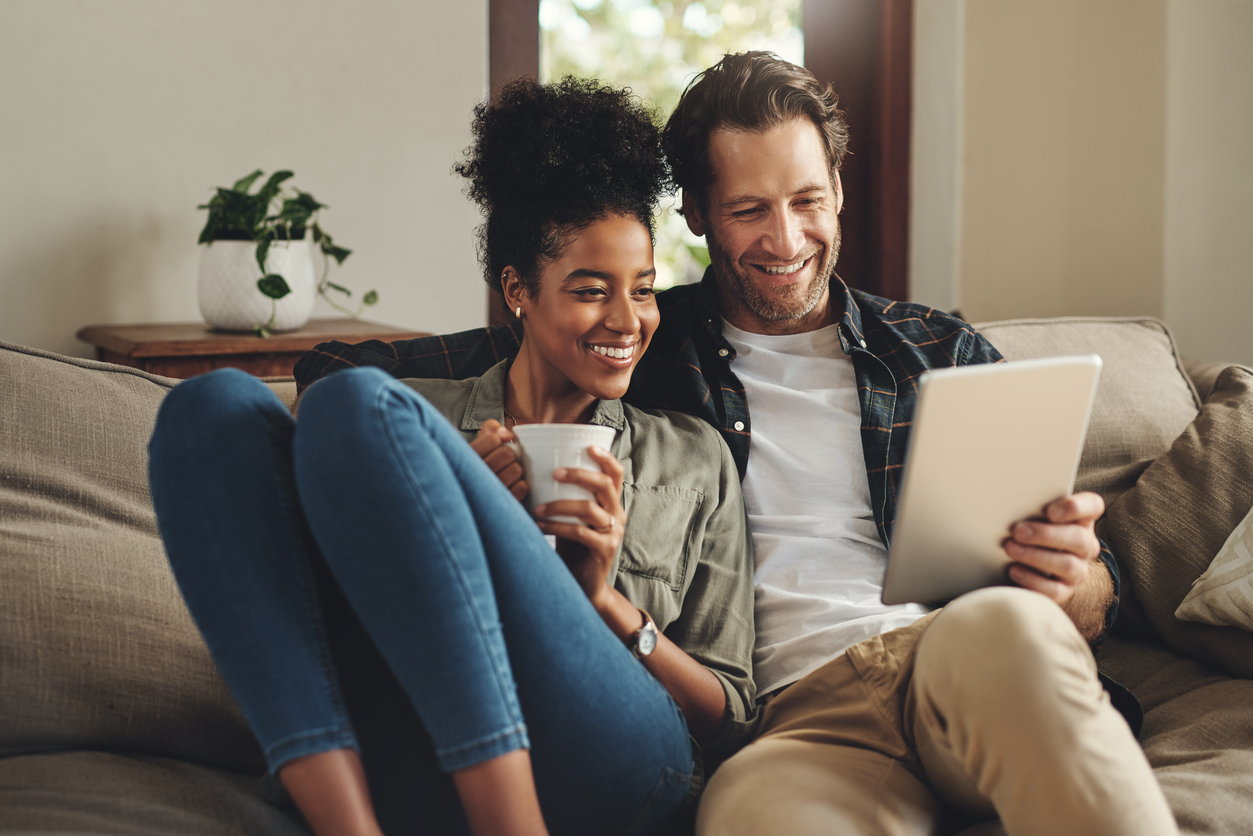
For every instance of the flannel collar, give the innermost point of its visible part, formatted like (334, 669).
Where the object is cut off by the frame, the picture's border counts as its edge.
(708, 312)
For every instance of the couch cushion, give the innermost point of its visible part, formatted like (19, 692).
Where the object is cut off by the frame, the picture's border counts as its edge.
(1166, 530)
(1143, 401)
(97, 649)
(1197, 735)
(69, 793)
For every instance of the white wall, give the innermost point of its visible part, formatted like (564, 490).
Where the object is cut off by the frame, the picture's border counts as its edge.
(118, 118)
(1209, 178)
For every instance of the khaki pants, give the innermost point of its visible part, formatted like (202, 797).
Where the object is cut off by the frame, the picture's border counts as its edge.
(988, 707)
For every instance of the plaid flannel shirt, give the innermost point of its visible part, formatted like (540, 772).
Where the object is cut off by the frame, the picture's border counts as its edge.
(688, 368)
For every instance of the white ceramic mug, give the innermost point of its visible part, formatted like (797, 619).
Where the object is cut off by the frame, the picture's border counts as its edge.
(542, 448)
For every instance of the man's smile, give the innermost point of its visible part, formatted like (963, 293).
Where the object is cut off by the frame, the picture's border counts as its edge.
(782, 269)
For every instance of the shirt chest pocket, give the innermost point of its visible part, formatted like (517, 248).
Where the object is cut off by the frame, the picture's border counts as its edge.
(661, 541)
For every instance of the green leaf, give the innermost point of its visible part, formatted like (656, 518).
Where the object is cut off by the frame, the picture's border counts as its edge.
(308, 201)
(271, 187)
(337, 253)
(370, 298)
(340, 288)
(297, 212)
(263, 247)
(273, 285)
(243, 184)
(318, 234)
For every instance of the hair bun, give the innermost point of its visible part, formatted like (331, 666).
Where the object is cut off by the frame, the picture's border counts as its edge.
(549, 156)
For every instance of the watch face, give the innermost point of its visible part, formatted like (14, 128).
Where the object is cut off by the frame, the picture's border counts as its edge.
(647, 642)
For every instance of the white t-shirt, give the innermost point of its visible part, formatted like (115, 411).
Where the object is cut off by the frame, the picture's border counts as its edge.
(820, 561)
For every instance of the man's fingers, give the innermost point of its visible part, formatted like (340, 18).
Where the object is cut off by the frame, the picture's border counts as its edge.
(1030, 579)
(1063, 567)
(1082, 508)
(1072, 538)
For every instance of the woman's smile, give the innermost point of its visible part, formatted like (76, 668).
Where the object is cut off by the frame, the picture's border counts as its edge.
(616, 355)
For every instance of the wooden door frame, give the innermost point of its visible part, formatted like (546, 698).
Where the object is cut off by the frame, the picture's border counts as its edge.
(864, 48)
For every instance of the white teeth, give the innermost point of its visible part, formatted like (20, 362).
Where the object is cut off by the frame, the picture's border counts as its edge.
(616, 353)
(785, 269)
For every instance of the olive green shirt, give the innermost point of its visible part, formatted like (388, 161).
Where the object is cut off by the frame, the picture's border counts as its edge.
(686, 557)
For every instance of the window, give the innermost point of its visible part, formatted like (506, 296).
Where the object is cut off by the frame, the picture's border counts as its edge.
(863, 47)
(656, 47)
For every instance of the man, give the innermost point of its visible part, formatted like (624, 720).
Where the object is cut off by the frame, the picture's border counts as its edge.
(875, 719)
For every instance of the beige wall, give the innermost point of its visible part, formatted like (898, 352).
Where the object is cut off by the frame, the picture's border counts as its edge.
(1209, 178)
(1087, 157)
(1062, 200)
(119, 117)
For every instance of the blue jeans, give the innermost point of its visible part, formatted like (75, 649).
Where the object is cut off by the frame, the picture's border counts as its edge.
(479, 623)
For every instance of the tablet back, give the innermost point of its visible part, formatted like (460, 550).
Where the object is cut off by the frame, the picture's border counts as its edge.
(991, 445)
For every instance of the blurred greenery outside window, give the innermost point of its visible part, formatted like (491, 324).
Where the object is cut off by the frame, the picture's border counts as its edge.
(655, 47)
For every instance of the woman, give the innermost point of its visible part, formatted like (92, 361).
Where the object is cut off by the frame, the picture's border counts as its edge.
(529, 669)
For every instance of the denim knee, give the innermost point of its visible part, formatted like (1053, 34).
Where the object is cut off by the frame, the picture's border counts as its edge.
(344, 388)
(214, 404)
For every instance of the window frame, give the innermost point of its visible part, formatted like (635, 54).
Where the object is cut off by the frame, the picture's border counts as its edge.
(864, 49)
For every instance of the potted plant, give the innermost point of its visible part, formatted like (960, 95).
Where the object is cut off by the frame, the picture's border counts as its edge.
(258, 258)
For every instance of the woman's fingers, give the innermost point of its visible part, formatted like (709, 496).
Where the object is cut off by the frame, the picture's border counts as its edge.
(491, 436)
(580, 533)
(492, 445)
(591, 513)
(605, 486)
(597, 535)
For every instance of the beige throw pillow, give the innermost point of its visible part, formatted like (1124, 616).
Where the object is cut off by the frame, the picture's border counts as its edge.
(1224, 594)
(1166, 530)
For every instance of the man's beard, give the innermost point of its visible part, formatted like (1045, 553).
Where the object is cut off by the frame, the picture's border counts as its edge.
(748, 293)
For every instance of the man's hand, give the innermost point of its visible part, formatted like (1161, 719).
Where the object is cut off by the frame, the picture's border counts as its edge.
(1052, 555)
(492, 445)
(1058, 556)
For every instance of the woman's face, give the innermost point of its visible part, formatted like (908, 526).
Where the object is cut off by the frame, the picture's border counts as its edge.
(595, 312)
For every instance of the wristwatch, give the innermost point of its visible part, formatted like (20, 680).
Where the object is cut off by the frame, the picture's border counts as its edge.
(644, 641)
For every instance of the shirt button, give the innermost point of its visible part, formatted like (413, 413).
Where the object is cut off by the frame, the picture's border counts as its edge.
(863, 343)
(739, 426)
(722, 352)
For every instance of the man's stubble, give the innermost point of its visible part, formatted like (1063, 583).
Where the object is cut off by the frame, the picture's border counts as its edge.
(734, 280)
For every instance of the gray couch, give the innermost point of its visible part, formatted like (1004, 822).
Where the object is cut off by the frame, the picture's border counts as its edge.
(113, 718)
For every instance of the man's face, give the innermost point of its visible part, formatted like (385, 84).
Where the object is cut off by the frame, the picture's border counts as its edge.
(770, 222)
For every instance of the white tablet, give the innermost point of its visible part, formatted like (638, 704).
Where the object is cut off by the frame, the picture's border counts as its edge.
(991, 445)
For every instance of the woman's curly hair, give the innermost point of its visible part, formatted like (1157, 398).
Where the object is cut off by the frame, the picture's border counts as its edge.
(549, 159)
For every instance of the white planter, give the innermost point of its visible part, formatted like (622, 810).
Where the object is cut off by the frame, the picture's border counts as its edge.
(228, 294)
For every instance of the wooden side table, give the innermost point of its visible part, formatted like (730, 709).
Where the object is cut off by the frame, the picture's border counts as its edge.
(186, 349)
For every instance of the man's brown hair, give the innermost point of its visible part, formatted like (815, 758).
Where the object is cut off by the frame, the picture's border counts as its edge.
(749, 91)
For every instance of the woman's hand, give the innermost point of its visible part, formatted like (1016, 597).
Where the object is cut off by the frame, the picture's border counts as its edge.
(589, 546)
(492, 445)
